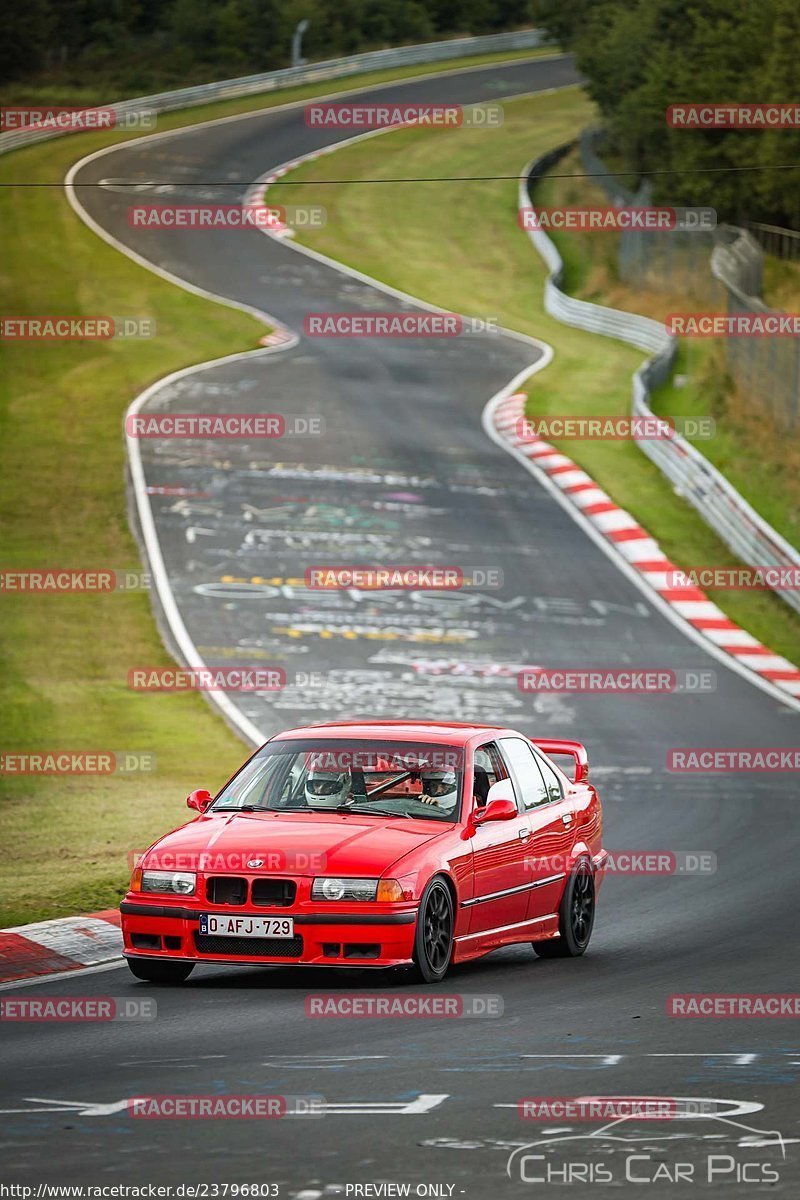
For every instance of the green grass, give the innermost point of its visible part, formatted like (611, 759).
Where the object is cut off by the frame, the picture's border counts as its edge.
(66, 841)
(458, 245)
(758, 459)
(781, 287)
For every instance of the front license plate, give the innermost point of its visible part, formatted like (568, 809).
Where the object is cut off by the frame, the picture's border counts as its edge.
(255, 927)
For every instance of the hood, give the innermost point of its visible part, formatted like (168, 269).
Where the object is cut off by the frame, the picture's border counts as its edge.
(322, 843)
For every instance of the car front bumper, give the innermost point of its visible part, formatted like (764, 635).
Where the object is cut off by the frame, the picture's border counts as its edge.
(321, 937)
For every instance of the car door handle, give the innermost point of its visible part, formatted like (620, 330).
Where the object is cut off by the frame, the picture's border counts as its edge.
(524, 833)
(566, 818)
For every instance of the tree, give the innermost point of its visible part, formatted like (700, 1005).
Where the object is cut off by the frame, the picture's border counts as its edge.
(641, 56)
(779, 190)
(27, 33)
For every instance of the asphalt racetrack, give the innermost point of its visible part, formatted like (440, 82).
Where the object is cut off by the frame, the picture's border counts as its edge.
(406, 469)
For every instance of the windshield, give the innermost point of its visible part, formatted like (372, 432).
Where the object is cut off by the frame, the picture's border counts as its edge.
(385, 779)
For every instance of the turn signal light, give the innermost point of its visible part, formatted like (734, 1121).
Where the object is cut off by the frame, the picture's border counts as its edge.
(389, 889)
(136, 879)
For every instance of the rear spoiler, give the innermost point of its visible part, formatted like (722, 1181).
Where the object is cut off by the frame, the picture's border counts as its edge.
(575, 750)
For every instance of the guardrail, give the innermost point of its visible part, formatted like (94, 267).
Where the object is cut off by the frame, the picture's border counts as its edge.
(719, 504)
(614, 188)
(783, 243)
(737, 261)
(332, 68)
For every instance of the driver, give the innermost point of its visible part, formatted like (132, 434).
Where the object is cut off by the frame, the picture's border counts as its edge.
(326, 789)
(439, 789)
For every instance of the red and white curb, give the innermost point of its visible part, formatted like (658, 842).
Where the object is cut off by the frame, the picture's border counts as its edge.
(643, 552)
(278, 337)
(65, 944)
(255, 196)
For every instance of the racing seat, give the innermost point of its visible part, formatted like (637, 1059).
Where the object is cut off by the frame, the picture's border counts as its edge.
(480, 785)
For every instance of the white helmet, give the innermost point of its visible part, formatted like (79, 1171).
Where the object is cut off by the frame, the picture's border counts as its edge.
(441, 787)
(326, 789)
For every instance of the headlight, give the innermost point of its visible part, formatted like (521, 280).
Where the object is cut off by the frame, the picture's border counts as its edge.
(344, 889)
(357, 889)
(181, 883)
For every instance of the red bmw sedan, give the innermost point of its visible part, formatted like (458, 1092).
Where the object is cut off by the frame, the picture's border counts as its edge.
(387, 844)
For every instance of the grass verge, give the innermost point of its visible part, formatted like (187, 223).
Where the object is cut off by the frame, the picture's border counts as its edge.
(458, 245)
(66, 840)
(781, 283)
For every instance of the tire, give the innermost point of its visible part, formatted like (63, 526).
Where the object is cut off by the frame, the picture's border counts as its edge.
(575, 916)
(433, 939)
(160, 970)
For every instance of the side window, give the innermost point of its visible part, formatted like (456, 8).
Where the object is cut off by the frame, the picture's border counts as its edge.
(551, 780)
(488, 767)
(527, 778)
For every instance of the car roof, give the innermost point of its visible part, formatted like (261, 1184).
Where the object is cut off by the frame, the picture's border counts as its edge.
(454, 733)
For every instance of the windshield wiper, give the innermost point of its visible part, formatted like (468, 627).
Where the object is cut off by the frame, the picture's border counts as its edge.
(383, 812)
(240, 808)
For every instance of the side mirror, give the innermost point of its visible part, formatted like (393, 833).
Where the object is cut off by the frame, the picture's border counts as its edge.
(500, 804)
(199, 800)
